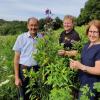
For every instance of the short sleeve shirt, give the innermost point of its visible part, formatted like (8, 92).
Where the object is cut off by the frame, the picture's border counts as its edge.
(88, 57)
(69, 38)
(26, 46)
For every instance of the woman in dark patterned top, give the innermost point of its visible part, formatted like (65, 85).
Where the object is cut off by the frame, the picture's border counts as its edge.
(89, 67)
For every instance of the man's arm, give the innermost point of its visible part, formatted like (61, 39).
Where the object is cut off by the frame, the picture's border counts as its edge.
(16, 69)
(67, 53)
(71, 53)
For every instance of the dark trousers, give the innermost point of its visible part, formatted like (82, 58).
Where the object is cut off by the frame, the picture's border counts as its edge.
(22, 95)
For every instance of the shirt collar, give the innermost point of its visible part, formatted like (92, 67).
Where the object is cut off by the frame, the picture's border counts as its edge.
(29, 35)
(70, 32)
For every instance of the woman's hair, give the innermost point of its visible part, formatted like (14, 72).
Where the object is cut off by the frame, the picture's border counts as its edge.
(96, 23)
(69, 17)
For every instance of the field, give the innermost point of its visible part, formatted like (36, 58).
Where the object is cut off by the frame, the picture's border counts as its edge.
(48, 58)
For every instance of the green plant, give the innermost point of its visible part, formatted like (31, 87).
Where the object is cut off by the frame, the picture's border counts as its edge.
(97, 86)
(86, 93)
(54, 74)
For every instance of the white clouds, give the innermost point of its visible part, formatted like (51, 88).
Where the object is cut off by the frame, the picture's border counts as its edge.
(26, 8)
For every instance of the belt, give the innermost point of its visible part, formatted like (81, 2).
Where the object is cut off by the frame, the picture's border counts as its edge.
(35, 68)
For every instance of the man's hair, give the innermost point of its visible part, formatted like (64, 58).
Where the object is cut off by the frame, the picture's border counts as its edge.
(32, 18)
(69, 17)
(96, 23)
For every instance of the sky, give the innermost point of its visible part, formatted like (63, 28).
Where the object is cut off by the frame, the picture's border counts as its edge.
(23, 9)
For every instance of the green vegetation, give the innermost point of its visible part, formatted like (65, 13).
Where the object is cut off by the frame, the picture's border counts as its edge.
(12, 27)
(89, 12)
(7, 87)
(54, 79)
(17, 27)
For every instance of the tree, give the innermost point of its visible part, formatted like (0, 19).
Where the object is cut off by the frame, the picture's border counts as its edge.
(41, 24)
(12, 27)
(90, 11)
(57, 23)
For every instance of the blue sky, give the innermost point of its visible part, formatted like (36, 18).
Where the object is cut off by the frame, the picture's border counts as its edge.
(23, 9)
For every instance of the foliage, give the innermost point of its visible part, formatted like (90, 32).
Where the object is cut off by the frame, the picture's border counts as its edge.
(53, 81)
(49, 22)
(12, 27)
(6, 55)
(89, 12)
(54, 71)
(8, 90)
(86, 93)
(60, 94)
(41, 24)
(7, 87)
(57, 23)
(18, 27)
(97, 86)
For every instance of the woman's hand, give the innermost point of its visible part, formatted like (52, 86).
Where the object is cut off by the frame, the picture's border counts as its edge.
(75, 64)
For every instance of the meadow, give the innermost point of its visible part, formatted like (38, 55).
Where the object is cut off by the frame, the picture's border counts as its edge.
(8, 91)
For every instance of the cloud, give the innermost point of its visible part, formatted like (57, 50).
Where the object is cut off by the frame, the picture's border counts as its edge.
(26, 8)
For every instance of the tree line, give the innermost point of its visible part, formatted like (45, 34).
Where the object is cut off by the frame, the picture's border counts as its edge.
(90, 11)
(17, 27)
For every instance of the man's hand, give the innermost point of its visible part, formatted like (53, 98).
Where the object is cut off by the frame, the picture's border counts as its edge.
(18, 82)
(61, 52)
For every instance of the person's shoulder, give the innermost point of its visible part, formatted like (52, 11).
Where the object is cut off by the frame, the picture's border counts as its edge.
(98, 46)
(76, 35)
(63, 32)
(22, 35)
(86, 45)
(74, 31)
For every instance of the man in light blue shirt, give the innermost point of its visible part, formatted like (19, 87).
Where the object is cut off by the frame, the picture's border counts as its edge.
(24, 48)
(25, 45)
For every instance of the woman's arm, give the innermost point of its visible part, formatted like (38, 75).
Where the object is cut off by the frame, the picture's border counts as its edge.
(88, 69)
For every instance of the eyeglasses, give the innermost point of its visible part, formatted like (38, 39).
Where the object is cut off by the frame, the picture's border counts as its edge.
(67, 23)
(95, 32)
